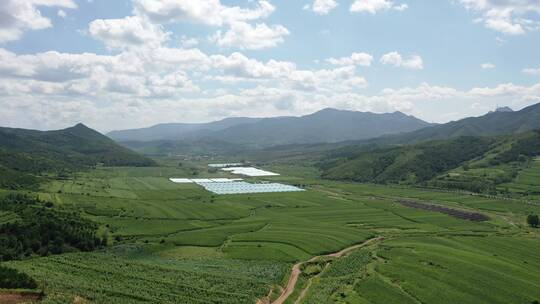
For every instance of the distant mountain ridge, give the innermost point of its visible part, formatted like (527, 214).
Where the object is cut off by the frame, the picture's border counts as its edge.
(178, 131)
(505, 121)
(325, 126)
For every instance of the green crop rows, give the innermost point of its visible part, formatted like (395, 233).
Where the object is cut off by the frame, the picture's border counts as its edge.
(174, 243)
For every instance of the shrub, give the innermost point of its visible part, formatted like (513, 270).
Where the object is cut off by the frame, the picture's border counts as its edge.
(13, 279)
(533, 220)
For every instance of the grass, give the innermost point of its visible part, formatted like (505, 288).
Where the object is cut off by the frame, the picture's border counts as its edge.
(175, 243)
(527, 182)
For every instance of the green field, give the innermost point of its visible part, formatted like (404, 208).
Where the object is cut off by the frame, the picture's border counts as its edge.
(528, 181)
(177, 243)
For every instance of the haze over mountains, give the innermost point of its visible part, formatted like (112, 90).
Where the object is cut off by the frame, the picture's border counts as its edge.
(325, 126)
(502, 121)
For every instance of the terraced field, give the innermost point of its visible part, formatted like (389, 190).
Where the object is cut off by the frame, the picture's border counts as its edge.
(528, 181)
(171, 243)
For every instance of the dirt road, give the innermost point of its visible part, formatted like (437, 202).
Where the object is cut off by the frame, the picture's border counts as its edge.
(295, 272)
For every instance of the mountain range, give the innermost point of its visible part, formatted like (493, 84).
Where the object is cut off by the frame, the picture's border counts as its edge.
(325, 126)
(502, 121)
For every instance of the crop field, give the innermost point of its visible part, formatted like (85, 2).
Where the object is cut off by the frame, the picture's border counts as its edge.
(132, 275)
(528, 181)
(172, 243)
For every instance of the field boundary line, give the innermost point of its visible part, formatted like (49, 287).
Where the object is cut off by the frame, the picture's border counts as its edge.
(296, 269)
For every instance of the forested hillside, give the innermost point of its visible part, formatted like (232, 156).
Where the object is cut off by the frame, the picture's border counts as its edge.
(26, 154)
(452, 163)
(29, 227)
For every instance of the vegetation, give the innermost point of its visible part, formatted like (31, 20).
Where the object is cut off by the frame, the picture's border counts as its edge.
(39, 229)
(532, 220)
(409, 164)
(27, 154)
(171, 243)
(13, 279)
(132, 274)
(477, 164)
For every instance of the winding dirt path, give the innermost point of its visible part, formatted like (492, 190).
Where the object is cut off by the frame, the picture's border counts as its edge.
(295, 272)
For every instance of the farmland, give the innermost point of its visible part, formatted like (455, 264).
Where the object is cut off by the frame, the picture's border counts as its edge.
(173, 243)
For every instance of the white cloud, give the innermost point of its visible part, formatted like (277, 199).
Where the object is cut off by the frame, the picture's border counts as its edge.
(487, 65)
(509, 17)
(127, 32)
(401, 7)
(145, 28)
(188, 42)
(61, 13)
(373, 6)
(209, 12)
(362, 59)
(531, 71)
(414, 62)
(246, 36)
(18, 16)
(322, 7)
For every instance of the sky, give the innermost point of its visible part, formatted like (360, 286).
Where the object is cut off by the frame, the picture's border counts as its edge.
(119, 64)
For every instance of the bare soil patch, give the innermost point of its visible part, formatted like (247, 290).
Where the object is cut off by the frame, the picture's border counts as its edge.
(465, 215)
(19, 297)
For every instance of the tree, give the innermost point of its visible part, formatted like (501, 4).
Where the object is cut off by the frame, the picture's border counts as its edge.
(533, 220)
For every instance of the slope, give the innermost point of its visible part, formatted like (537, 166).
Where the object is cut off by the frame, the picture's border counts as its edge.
(491, 124)
(325, 126)
(27, 153)
(473, 163)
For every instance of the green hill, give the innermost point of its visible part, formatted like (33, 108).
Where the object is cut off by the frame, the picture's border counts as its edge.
(471, 163)
(25, 154)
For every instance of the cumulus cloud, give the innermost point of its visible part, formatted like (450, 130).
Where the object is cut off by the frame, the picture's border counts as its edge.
(209, 12)
(531, 71)
(487, 65)
(61, 13)
(374, 6)
(246, 36)
(362, 59)
(322, 7)
(127, 32)
(145, 27)
(414, 62)
(506, 16)
(18, 16)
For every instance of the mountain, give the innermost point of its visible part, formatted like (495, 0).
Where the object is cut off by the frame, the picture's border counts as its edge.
(504, 109)
(178, 131)
(25, 154)
(491, 124)
(325, 126)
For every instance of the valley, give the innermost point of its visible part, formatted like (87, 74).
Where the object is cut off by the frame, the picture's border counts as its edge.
(165, 236)
(356, 224)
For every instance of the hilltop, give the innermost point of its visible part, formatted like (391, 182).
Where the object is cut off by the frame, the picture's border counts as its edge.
(28, 153)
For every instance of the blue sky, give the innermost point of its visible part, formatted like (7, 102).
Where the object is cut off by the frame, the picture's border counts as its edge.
(134, 63)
